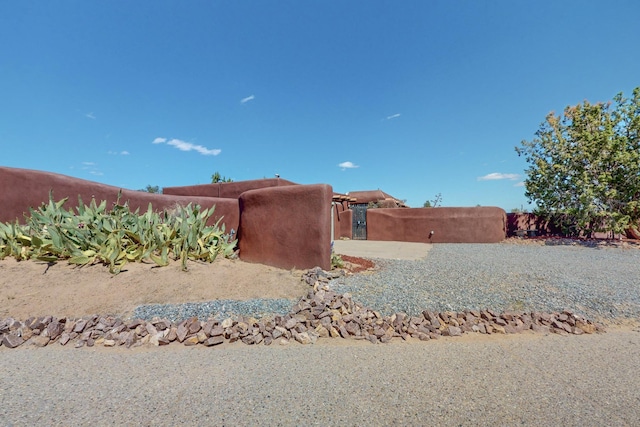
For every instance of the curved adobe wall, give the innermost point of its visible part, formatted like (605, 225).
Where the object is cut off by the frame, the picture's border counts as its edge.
(23, 188)
(287, 227)
(450, 225)
(231, 190)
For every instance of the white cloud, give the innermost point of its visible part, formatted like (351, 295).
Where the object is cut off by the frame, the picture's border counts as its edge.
(188, 146)
(91, 168)
(90, 116)
(393, 116)
(347, 165)
(124, 153)
(115, 153)
(497, 175)
(520, 184)
(247, 99)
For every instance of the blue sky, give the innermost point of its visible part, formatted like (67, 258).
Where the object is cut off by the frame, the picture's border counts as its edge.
(412, 97)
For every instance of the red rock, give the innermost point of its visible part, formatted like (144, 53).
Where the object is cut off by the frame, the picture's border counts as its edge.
(539, 329)
(509, 329)
(216, 331)
(151, 330)
(172, 335)
(182, 332)
(587, 328)
(452, 331)
(54, 329)
(423, 337)
(215, 340)
(11, 341)
(194, 325)
(64, 338)
(192, 340)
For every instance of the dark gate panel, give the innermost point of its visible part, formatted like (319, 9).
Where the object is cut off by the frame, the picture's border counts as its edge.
(359, 229)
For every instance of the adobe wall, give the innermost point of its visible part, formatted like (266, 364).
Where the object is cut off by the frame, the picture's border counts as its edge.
(449, 225)
(231, 190)
(530, 221)
(343, 224)
(24, 188)
(287, 227)
(542, 227)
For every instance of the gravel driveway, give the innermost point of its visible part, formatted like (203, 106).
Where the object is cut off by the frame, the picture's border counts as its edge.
(598, 282)
(601, 283)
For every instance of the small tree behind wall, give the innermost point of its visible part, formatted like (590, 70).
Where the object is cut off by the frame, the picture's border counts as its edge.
(216, 177)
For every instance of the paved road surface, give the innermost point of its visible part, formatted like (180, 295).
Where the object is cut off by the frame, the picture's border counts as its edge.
(504, 380)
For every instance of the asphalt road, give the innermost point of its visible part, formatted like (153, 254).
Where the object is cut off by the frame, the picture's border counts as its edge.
(500, 380)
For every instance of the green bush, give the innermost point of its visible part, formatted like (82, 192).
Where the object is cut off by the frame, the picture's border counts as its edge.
(115, 237)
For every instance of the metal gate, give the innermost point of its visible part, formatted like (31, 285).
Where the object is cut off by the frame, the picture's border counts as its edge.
(359, 228)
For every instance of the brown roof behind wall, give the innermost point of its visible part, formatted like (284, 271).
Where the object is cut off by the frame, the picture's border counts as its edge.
(375, 196)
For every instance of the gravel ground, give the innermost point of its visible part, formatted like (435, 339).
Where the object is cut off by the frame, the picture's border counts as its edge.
(599, 282)
(220, 309)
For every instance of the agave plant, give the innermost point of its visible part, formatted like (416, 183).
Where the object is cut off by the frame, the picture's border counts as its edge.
(115, 237)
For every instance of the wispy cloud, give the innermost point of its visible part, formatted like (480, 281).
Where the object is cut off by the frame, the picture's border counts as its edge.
(90, 116)
(124, 153)
(188, 146)
(347, 165)
(520, 184)
(115, 153)
(497, 175)
(247, 99)
(393, 116)
(90, 168)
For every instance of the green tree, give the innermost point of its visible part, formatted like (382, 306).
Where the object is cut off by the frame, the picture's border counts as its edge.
(216, 177)
(433, 203)
(584, 166)
(151, 189)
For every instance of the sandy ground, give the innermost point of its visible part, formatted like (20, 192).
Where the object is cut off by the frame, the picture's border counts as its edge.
(32, 288)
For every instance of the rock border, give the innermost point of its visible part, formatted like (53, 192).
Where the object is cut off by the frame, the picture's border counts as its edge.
(322, 313)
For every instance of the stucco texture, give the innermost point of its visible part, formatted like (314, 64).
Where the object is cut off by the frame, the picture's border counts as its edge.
(231, 190)
(21, 189)
(449, 225)
(287, 227)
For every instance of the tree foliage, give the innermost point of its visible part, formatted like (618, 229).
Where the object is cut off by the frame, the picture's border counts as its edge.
(433, 203)
(584, 166)
(216, 177)
(151, 189)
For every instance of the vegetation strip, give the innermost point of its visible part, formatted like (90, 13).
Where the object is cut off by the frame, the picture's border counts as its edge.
(94, 234)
